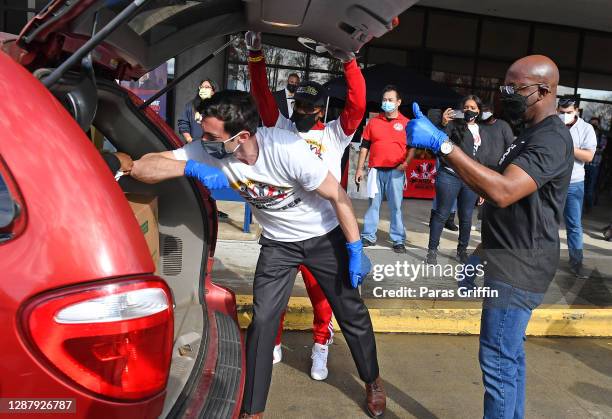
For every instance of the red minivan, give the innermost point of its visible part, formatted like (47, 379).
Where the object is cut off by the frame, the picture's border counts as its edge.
(87, 326)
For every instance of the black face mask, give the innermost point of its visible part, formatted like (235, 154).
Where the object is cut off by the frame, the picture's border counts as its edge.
(514, 108)
(292, 88)
(304, 122)
(469, 116)
(217, 149)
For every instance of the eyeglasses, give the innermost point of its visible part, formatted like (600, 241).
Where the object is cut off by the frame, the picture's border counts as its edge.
(510, 90)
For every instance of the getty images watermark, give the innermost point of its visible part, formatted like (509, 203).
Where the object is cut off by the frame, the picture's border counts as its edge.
(464, 274)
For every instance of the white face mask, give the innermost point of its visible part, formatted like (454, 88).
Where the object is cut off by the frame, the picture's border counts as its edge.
(567, 118)
(205, 92)
(486, 115)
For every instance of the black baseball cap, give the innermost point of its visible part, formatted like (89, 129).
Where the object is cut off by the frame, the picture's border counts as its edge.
(312, 93)
(568, 101)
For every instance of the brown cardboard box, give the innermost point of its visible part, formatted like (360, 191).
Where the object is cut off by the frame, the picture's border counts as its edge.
(145, 211)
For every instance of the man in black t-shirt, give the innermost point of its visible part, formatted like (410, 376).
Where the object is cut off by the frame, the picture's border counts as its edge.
(525, 197)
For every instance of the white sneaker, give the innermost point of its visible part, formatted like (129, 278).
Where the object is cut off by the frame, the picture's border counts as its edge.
(319, 362)
(277, 354)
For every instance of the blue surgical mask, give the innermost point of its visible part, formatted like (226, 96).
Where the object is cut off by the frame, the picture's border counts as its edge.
(388, 106)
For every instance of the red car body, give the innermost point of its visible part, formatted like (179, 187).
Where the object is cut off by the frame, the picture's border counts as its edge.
(75, 230)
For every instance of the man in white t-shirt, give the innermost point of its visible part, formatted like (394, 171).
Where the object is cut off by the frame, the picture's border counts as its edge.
(306, 218)
(585, 144)
(326, 141)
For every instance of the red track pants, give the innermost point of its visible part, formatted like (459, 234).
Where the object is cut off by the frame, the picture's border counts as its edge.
(322, 327)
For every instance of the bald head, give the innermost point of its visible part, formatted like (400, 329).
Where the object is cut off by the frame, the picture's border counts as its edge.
(535, 69)
(536, 78)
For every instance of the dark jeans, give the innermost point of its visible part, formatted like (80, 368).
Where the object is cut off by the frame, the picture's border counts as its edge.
(327, 259)
(448, 189)
(502, 348)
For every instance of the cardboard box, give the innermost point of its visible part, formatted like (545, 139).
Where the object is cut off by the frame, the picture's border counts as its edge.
(145, 211)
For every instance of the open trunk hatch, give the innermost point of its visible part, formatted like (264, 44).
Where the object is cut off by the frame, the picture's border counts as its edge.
(162, 29)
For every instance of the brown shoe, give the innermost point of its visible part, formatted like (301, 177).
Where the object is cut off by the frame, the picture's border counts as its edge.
(376, 398)
(245, 415)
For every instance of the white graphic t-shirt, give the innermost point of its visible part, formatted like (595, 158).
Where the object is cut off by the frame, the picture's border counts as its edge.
(476, 135)
(328, 144)
(280, 186)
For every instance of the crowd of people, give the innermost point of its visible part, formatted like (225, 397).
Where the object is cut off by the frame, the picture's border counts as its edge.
(289, 171)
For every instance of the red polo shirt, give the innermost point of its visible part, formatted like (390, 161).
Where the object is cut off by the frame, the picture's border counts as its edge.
(387, 138)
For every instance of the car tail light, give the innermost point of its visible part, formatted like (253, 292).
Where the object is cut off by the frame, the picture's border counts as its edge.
(113, 339)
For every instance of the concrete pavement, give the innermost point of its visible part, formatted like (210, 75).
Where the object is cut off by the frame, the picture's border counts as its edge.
(571, 307)
(430, 377)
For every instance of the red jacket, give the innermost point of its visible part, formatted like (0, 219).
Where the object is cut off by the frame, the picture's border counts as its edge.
(354, 107)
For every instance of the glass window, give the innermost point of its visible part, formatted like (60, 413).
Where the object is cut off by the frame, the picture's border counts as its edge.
(386, 55)
(8, 209)
(451, 79)
(237, 50)
(596, 53)
(594, 86)
(277, 77)
(557, 44)
(324, 63)
(496, 35)
(567, 78)
(238, 77)
(285, 57)
(322, 77)
(453, 64)
(452, 32)
(564, 90)
(601, 110)
(492, 69)
(409, 33)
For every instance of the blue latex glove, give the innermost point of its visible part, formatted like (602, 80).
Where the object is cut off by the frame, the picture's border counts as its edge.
(421, 133)
(209, 176)
(359, 264)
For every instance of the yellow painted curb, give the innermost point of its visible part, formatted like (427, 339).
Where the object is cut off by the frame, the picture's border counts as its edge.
(423, 317)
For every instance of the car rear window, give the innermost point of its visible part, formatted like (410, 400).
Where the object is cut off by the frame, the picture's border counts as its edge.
(8, 210)
(159, 19)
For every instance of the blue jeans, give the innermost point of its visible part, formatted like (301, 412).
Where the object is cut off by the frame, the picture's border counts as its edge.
(449, 188)
(391, 184)
(502, 349)
(434, 204)
(591, 173)
(573, 221)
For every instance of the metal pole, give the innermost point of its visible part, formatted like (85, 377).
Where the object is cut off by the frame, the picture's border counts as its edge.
(93, 42)
(185, 75)
(326, 109)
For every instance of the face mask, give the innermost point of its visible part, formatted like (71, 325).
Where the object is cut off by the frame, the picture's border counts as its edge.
(387, 106)
(515, 106)
(205, 92)
(217, 149)
(469, 116)
(291, 88)
(486, 115)
(567, 118)
(304, 122)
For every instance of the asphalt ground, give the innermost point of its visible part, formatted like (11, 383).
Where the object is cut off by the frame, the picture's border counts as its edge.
(438, 376)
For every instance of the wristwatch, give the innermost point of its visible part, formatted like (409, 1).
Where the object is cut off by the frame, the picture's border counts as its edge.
(446, 147)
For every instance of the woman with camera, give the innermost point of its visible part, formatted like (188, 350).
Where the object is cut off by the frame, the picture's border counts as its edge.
(464, 130)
